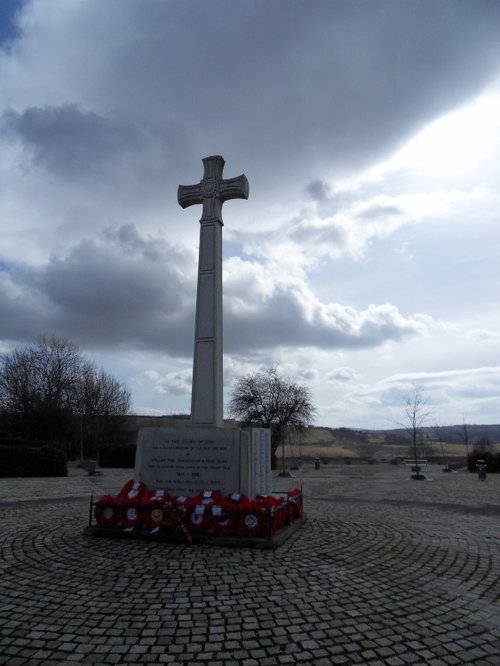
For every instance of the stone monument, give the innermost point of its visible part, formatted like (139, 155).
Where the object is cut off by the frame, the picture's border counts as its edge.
(207, 455)
(211, 192)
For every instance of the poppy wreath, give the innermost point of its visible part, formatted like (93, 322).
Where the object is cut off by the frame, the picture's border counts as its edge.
(174, 514)
(255, 518)
(206, 498)
(208, 510)
(236, 502)
(290, 512)
(276, 517)
(153, 516)
(273, 517)
(106, 511)
(132, 491)
(253, 523)
(233, 508)
(199, 519)
(174, 520)
(274, 508)
(281, 515)
(169, 518)
(152, 510)
(129, 500)
(295, 509)
(269, 502)
(131, 515)
(156, 497)
(224, 519)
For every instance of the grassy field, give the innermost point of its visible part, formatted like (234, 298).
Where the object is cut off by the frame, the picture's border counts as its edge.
(342, 443)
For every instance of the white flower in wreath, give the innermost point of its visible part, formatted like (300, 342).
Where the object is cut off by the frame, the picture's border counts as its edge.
(132, 513)
(251, 521)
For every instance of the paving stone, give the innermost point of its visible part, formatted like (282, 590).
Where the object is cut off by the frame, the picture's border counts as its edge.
(394, 661)
(342, 592)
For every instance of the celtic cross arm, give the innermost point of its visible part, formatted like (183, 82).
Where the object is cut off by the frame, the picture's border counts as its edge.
(213, 190)
(188, 195)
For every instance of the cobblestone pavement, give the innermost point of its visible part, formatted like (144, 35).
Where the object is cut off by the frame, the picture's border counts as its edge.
(386, 571)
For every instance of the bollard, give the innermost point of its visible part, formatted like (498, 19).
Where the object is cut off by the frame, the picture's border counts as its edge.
(481, 466)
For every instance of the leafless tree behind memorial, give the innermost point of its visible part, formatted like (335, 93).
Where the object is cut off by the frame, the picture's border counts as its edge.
(416, 414)
(49, 391)
(269, 400)
(464, 436)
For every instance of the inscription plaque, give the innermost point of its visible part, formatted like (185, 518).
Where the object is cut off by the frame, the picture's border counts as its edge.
(185, 461)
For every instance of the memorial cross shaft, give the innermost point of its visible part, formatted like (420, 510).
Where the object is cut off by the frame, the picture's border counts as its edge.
(212, 191)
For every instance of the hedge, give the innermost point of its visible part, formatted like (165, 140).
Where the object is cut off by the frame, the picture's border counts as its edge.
(22, 460)
(491, 459)
(117, 455)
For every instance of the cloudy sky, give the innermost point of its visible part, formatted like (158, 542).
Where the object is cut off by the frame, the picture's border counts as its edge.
(366, 260)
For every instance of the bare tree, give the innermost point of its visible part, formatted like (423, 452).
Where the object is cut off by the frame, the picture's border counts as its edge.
(267, 399)
(464, 436)
(45, 385)
(439, 437)
(100, 394)
(416, 415)
(38, 388)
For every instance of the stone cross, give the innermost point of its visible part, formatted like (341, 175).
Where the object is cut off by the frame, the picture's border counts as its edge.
(207, 390)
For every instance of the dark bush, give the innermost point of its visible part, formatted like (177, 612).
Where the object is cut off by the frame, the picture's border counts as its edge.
(21, 460)
(491, 459)
(15, 441)
(117, 455)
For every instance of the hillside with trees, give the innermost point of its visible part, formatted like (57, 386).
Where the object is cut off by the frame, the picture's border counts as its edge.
(395, 444)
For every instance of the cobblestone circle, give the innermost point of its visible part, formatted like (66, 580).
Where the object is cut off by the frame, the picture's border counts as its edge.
(385, 571)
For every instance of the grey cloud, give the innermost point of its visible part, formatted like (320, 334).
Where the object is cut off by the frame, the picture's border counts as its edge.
(267, 85)
(23, 313)
(380, 212)
(115, 291)
(96, 281)
(308, 374)
(318, 190)
(456, 387)
(71, 142)
(342, 375)
(320, 237)
(283, 84)
(484, 335)
(282, 320)
(175, 383)
(129, 240)
(123, 291)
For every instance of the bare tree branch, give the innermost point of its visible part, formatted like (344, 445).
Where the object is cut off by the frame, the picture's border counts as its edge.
(43, 386)
(267, 399)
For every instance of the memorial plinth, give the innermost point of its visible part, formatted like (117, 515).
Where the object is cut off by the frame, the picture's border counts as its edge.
(185, 461)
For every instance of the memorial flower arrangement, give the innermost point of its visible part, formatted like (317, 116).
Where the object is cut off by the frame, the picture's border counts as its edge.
(137, 507)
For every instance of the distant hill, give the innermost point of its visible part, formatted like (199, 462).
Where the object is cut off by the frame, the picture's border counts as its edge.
(350, 443)
(347, 443)
(454, 434)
